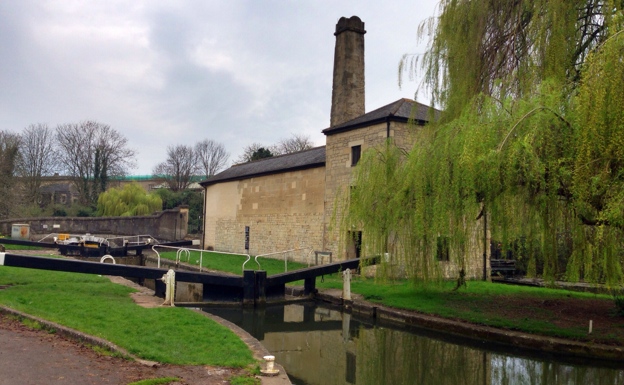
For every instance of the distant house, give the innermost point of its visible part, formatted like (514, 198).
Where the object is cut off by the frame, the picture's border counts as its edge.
(57, 190)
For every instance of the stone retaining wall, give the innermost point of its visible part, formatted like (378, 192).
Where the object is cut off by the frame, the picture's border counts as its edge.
(167, 225)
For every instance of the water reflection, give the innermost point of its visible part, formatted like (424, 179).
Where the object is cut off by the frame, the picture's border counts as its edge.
(322, 346)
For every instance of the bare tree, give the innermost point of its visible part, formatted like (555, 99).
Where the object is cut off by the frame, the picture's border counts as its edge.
(180, 166)
(295, 143)
(38, 158)
(9, 157)
(211, 156)
(257, 151)
(91, 153)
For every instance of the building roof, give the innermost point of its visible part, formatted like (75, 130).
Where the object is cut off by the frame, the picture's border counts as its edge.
(301, 160)
(403, 110)
(56, 188)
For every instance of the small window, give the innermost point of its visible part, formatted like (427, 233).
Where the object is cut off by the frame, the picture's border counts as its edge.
(356, 152)
(442, 249)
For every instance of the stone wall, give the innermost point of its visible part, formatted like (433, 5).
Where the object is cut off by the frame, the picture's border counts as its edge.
(168, 225)
(283, 211)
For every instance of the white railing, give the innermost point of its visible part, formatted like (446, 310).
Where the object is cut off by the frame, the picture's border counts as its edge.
(147, 239)
(184, 251)
(285, 256)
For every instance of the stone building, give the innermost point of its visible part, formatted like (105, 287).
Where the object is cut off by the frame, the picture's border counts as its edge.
(288, 202)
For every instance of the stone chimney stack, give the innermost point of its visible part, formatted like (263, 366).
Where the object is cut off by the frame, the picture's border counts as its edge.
(348, 86)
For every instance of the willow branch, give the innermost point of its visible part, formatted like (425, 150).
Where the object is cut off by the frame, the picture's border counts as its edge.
(526, 116)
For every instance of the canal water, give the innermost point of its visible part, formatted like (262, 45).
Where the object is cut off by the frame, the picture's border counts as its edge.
(323, 346)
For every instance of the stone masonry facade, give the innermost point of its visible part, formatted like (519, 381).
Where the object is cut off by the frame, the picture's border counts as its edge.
(283, 211)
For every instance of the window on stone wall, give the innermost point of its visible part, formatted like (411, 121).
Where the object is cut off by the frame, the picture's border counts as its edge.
(356, 152)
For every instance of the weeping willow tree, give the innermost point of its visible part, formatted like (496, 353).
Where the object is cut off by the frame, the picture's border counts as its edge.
(506, 48)
(131, 200)
(531, 139)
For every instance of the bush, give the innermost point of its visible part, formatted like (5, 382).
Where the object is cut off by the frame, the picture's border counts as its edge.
(82, 211)
(130, 200)
(59, 211)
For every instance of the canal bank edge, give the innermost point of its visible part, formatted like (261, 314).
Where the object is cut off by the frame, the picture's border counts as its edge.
(254, 345)
(551, 345)
(259, 351)
(145, 297)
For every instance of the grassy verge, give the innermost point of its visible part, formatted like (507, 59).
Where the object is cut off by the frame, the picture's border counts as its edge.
(510, 307)
(94, 305)
(23, 247)
(233, 263)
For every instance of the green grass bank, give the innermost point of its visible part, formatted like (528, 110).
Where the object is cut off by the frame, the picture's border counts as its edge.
(94, 305)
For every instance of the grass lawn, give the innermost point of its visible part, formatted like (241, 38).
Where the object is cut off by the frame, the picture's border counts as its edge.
(544, 311)
(94, 305)
(233, 263)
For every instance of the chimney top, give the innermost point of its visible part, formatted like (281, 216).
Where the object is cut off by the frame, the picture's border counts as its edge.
(353, 23)
(348, 84)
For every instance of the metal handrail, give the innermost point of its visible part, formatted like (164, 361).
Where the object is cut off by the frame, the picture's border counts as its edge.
(181, 250)
(248, 258)
(138, 237)
(278, 252)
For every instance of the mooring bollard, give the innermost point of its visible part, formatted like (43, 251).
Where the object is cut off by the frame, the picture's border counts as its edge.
(346, 286)
(169, 280)
(269, 370)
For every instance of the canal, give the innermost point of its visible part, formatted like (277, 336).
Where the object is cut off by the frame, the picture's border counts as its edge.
(323, 346)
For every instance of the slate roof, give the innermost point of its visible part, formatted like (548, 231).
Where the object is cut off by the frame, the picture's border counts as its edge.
(400, 111)
(301, 160)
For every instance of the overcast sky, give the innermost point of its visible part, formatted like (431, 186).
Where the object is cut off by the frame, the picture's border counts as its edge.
(176, 72)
